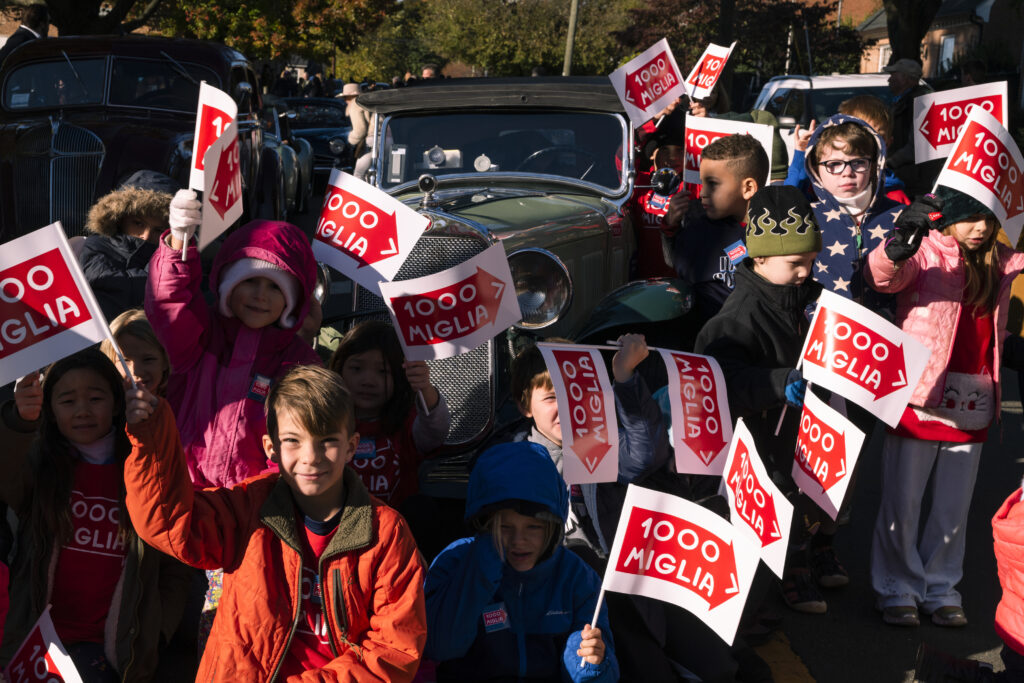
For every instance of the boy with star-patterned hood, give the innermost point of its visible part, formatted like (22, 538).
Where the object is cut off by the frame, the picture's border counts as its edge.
(846, 164)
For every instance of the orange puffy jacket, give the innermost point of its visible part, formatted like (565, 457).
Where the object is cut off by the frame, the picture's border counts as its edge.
(372, 573)
(1008, 534)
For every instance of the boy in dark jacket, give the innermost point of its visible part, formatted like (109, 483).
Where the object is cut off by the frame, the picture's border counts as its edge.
(707, 242)
(756, 339)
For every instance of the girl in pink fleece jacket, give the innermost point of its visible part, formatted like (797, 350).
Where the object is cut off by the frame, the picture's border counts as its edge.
(954, 280)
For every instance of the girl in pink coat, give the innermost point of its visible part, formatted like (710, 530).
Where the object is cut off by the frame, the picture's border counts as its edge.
(225, 356)
(954, 287)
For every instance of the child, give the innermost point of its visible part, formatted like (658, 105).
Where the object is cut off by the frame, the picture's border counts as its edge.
(114, 598)
(846, 164)
(756, 339)
(321, 580)
(225, 358)
(666, 147)
(954, 287)
(707, 242)
(146, 357)
(512, 603)
(395, 432)
(124, 228)
(872, 111)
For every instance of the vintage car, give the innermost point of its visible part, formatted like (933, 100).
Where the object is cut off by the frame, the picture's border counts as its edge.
(542, 166)
(296, 158)
(323, 122)
(79, 115)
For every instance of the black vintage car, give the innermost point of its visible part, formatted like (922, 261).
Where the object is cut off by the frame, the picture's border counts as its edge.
(78, 115)
(322, 121)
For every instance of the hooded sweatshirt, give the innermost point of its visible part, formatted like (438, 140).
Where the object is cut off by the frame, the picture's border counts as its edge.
(847, 235)
(221, 370)
(489, 622)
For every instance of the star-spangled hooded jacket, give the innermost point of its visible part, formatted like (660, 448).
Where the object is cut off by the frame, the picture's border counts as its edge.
(844, 245)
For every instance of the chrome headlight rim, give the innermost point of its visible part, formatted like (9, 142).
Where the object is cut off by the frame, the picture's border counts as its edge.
(560, 270)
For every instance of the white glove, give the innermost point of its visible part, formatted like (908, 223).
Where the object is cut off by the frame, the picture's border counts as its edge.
(185, 215)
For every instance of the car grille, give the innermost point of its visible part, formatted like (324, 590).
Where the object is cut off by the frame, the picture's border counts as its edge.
(465, 381)
(63, 161)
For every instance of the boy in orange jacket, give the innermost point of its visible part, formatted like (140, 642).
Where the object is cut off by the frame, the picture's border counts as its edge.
(321, 581)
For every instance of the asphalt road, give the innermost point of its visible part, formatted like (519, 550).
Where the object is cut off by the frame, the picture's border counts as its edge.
(850, 644)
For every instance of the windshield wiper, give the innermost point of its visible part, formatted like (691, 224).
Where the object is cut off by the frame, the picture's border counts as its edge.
(179, 68)
(75, 72)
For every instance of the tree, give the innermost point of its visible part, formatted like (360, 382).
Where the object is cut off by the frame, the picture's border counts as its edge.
(84, 17)
(907, 22)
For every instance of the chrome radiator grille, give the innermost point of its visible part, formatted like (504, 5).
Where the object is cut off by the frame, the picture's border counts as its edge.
(63, 161)
(465, 381)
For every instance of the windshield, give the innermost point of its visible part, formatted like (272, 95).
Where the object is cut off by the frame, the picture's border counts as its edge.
(54, 84)
(583, 146)
(317, 115)
(158, 83)
(824, 101)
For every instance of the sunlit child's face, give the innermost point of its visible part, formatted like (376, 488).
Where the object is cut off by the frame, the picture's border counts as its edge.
(972, 233)
(368, 378)
(83, 406)
(313, 466)
(852, 171)
(522, 539)
(543, 409)
(143, 227)
(145, 361)
(791, 269)
(257, 302)
(722, 190)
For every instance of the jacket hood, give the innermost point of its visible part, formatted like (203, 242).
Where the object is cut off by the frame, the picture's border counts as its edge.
(812, 173)
(276, 242)
(520, 470)
(106, 214)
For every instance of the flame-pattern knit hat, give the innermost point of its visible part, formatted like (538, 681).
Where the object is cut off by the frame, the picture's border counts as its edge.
(780, 222)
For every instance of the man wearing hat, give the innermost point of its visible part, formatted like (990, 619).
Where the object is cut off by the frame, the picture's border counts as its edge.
(358, 136)
(905, 85)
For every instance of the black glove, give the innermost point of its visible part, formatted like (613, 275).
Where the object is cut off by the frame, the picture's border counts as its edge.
(912, 226)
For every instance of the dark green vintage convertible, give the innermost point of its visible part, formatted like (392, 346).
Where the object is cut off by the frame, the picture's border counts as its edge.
(545, 167)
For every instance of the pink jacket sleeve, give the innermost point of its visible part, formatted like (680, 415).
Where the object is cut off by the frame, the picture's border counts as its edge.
(175, 308)
(884, 275)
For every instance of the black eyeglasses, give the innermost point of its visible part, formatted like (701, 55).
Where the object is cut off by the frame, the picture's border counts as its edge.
(838, 167)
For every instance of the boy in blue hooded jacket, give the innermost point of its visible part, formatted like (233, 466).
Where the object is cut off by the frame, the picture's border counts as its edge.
(511, 603)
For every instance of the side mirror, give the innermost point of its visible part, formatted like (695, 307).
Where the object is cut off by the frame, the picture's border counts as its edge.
(243, 95)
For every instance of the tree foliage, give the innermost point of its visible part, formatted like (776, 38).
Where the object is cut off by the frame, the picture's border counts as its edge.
(83, 17)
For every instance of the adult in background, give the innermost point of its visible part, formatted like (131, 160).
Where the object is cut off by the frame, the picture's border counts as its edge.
(360, 137)
(35, 23)
(315, 85)
(905, 85)
(286, 84)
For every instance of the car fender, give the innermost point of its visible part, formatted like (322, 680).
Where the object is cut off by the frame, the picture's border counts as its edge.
(662, 309)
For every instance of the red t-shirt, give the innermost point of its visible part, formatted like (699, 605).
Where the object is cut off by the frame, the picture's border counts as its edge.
(972, 354)
(90, 565)
(311, 646)
(388, 464)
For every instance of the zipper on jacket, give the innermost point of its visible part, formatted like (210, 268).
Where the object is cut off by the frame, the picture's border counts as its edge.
(295, 622)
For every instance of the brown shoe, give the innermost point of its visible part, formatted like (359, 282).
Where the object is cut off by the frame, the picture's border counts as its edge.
(951, 616)
(901, 615)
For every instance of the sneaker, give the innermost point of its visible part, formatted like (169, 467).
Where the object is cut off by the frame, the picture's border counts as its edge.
(827, 569)
(934, 666)
(950, 616)
(800, 593)
(901, 615)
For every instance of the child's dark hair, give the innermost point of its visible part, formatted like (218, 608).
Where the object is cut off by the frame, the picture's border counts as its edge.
(317, 399)
(49, 519)
(377, 335)
(746, 157)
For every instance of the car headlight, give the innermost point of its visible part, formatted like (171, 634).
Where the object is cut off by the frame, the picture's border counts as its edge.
(337, 145)
(543, 286)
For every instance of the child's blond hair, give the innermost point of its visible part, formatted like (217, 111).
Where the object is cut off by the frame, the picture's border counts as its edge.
(134, 322)
(872, 111)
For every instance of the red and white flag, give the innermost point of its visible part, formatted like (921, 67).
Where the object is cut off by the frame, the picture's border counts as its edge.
(756, 505)
(42, 657)
(670, 549)
(701, 424)
(827, 447)
(648, 83)
(862, 357)
(940, 116)
(701, 131)
(708, 69)
(456, 310)
(586, 412)
(215, 111)
(986, 164)
(47, 309)
(364, 233)
(222, 186)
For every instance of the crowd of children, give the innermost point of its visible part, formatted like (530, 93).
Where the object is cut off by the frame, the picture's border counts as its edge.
(220, 470)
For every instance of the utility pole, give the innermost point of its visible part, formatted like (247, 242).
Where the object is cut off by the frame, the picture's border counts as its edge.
(571, 37)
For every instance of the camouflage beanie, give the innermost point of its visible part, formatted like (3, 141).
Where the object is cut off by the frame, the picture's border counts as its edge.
(780, 222)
